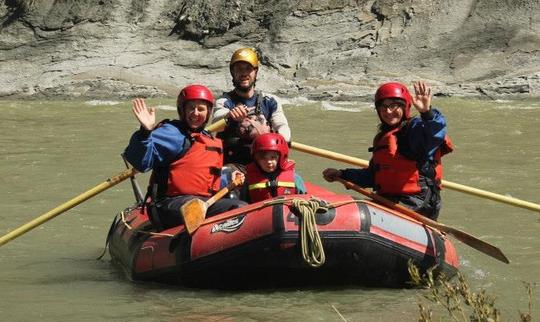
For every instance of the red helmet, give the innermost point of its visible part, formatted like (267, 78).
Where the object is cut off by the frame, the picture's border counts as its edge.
(394, 90)
(194, 92)
(272, 142)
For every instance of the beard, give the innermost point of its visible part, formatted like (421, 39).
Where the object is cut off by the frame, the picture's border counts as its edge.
(243, 89)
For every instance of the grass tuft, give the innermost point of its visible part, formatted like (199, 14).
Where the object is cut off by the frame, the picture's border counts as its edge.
(458, 300)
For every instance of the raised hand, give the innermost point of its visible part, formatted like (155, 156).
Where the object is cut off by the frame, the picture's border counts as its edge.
(146, 116)
(422, 97)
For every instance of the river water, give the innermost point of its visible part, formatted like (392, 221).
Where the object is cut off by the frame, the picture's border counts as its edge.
(53, 151)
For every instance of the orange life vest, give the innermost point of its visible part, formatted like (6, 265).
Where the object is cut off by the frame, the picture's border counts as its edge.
(260, 187)
(396, 174)
(198, 172)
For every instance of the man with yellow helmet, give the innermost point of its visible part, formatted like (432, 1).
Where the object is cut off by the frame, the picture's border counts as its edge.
(248, 112)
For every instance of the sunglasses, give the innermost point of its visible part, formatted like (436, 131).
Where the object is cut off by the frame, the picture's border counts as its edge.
(392, 106)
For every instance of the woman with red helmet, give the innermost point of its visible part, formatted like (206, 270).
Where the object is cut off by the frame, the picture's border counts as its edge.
(186, 160)
(406, 163)
(271, 174)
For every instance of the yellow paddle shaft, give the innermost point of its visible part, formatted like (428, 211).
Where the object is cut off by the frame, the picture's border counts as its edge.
(217, 126)
(447, 184)
(68, 205)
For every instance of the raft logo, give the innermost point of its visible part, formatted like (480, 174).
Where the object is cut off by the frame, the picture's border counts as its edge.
(230, 225)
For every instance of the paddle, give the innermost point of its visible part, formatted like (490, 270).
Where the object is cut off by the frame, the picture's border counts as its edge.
(462, 236)
(139, 197)
(447, 184)
(220, 125)
(194, 211)
(110, 182)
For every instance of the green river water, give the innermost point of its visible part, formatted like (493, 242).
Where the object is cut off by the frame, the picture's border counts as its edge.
(53, 151)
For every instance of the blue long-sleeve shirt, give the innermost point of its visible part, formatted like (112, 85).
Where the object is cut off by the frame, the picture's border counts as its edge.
(156, 149)
(425, 135)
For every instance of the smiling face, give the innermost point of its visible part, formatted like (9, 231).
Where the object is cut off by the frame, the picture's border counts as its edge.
(391, 111)
(196, 113)
(244, 76)
(267, 160)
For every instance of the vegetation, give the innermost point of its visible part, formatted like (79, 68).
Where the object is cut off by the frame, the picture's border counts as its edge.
(458, 300)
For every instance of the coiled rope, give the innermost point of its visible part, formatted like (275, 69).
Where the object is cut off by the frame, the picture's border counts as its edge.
(310, 239)
(312, 249)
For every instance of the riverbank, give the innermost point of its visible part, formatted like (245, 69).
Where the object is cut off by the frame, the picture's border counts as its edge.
(329, 50)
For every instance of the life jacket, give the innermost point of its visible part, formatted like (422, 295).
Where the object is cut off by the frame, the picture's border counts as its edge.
(260, 187)
(397, 174)
(198, 171)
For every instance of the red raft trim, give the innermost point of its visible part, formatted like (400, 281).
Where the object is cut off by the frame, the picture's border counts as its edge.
(152, 255)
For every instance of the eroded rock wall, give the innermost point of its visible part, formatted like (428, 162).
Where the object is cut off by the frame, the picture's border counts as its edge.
(337, 49)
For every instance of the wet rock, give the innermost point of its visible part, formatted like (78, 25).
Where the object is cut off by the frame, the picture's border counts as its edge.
(329, 49)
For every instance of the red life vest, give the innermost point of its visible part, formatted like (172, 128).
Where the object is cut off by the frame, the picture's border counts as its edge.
(198, 172)
(260, 188)
(394, 173)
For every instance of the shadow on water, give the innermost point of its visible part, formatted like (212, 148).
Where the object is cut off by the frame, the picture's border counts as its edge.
(258, 282)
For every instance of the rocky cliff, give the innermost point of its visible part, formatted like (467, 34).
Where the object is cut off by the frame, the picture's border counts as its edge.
(331, 49)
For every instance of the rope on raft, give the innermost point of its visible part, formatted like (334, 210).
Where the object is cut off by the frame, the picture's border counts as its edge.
(310, 239)
(151, 233)
(128, 226)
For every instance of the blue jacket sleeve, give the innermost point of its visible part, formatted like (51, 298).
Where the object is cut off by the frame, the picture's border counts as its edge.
(362, 177)
(160, 147)
(427, 133)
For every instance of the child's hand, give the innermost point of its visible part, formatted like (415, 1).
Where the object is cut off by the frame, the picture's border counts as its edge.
(238, 177)
(331, 174)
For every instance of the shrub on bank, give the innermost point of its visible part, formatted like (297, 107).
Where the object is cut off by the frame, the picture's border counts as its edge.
(457, 300)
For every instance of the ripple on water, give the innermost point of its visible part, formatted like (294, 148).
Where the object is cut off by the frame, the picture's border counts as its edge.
(516, 105)
(166, 107)
(354, 107)
(102, 102)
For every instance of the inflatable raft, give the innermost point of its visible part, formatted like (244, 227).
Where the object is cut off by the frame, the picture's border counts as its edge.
(364, 243)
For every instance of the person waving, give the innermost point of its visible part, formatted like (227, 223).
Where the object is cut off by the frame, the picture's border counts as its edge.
(185, 160)
(406, 163)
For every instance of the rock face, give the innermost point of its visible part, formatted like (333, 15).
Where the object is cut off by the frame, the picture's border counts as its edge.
(331, 49)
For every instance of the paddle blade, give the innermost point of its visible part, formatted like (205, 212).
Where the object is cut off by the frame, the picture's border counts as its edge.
(462, 236)
(477, 244)
(193, 212)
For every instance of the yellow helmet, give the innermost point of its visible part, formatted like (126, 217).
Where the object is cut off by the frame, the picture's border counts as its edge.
(247, 55)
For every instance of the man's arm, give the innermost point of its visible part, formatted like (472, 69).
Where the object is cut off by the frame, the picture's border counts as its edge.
(220, 110)
(278, 120)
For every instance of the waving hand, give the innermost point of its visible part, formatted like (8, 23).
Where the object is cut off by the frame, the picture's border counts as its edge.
(146, 116)
(422, 97)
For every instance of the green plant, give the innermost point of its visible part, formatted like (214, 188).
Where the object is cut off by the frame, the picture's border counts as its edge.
(459, 301)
